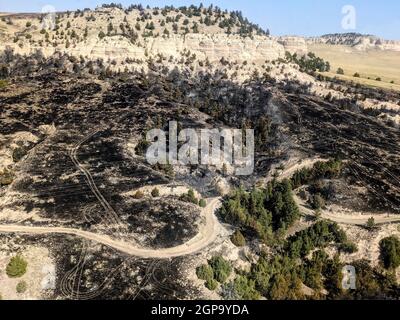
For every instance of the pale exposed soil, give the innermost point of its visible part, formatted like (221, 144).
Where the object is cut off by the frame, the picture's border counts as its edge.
(163, 191)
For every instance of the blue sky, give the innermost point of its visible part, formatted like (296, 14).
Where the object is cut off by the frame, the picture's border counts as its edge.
(282, 17)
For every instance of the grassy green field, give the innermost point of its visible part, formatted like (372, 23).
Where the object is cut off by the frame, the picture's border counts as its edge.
(369, 64)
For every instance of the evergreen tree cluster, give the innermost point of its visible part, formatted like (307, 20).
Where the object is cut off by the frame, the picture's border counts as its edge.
(216, 271)
(262, 212)
(309, 62)
(319, 235)
(390, 252)
(321, 170)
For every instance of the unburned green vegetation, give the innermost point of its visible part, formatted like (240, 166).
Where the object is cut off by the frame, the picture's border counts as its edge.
(390, 252)
(21, 287)
(3, 84)
(309, 62)
(302, 260)
(262, 212)
(190, 197)
(319, 235)
(216, 271)
(321, 170)
(16, 267)
(238, 239)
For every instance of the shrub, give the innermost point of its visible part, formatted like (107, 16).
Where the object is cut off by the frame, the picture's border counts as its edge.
(21, 287)
(3, 84)
(19, 153)
(138, 195)
(189, 197)
(222, 268)
(390, 252)
(155, 193)
(6, 178)
(340, 71)
(202, 203)
(371, 224)
(245, 288)
(348, 247)
(16, 267)
(4, 68)
(379, 79)
(142, 147)
(356, 75)
(205, 272)
(28, 24)
(211, 284)
(317, 202)
(238, 239)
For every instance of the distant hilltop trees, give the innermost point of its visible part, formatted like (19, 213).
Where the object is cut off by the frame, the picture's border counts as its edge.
(214, 16)
(346, 35)
(135, 23)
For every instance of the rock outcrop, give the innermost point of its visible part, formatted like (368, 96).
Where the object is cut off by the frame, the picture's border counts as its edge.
(214, 47)
(293, 44)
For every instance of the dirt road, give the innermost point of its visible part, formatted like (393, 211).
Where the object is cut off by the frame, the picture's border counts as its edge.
(350, 219)
(207, 235)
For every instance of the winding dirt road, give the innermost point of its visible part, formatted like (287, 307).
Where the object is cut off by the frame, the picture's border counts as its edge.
(349, 219)
(207, 235)
(355, 220)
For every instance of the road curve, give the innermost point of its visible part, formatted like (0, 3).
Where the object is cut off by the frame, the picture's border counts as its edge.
(207, 235)
(356, 220)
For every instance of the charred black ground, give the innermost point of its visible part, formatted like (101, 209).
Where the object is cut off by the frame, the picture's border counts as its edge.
(287, 118)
